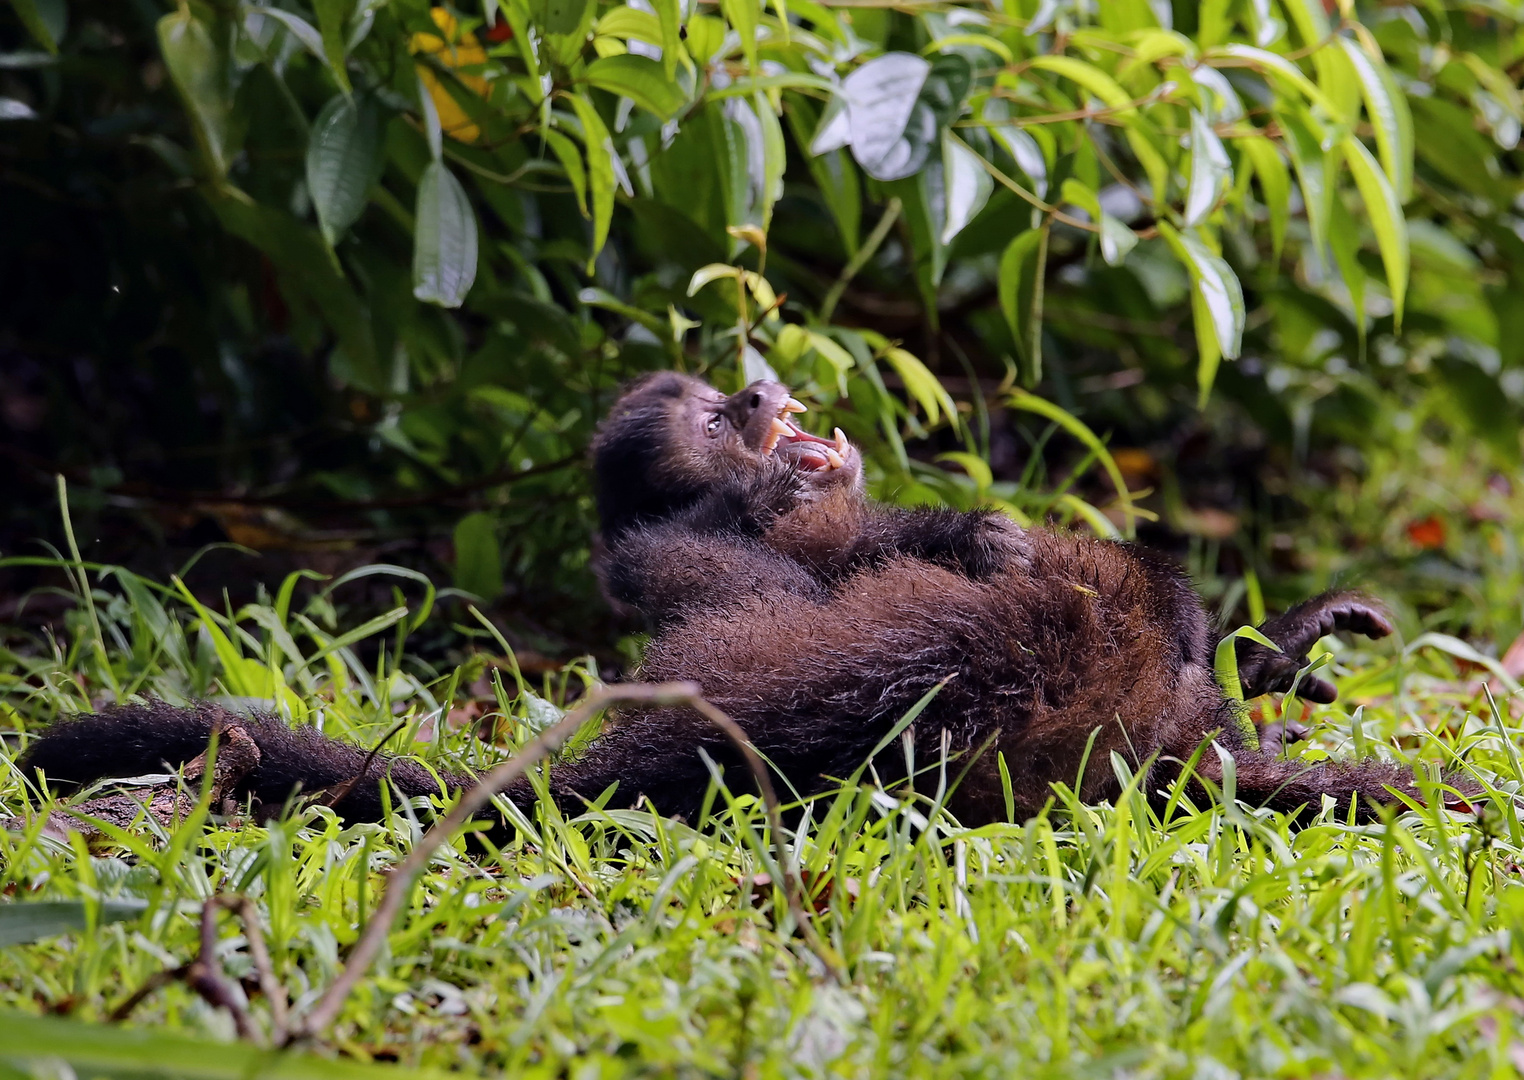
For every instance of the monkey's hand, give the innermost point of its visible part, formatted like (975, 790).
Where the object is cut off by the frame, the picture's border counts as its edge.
(1262, 671)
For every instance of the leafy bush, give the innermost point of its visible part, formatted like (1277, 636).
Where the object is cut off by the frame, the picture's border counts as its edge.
(362, 260)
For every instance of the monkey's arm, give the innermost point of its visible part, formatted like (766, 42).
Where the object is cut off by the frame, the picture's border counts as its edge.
(664, 570)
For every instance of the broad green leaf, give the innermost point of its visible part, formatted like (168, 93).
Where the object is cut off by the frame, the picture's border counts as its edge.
(1217, 301)
(1141, 142)
(478, 558)
(1093, 79)
(1020, 285)
(600, 172)
(1315, 168)
(1274, 183)
(308, 270)
(344, 161)
(1019, 144)
(199, 70)
(968, 186)
(743, 16)
(832, 171)
(1115, 237)
(1496, 83)
(1462, 651)
(774, 157)
(1386, 218)
(24, 921)
(640, 79)
(922, 385)
(304, 32)
(1387, 107)
(36, 24)
(1344, 241)
(1281, 68)
(977, 468)
(1310, 19)
(444, 239)
(37, 1043)
(713, 272)
(557, 16)
(1211, 171)
(629, 22)
(881, 97)
(571, 163)
(333, 16)
(670, 18)
(1021, 399)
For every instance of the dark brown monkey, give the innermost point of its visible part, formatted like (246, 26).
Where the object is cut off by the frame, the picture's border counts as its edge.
(816, 619)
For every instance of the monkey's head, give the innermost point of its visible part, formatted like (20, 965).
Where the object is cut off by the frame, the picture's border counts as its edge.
(672, 438)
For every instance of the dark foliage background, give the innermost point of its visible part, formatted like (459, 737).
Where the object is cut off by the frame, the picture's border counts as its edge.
(181, 341)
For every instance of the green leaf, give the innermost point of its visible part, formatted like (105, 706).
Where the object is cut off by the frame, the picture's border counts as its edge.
(478, 559)
(1274, 184)
(344, 162)
(557, 16)
(1225, 666)
(36, 24)
(571, 163)
(1211, 171)
(1091, 78)
(1116, 238)
(100, 1049)
(670, 17)
(1386, 218)
(743, 16)
(969, 186)
(880, 99)
(832, 171)
(333, 18)
(640, 79)
(1314, 171)
(199, 70)
(1283, 70)
(303, 31)
(21, 922)
(1387, 107)
(1217, 301)
(444, 239)
(1022, 268)
(1344, 240)
(1074, 426)
(600, 172)
(307, 270)
(922, 385)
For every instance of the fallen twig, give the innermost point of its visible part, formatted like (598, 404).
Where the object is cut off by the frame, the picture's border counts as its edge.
(205, 976)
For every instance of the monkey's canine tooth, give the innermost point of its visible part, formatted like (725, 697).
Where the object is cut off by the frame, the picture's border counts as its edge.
(793, 405)
(834, 458)
(841, 442)
(777, 431)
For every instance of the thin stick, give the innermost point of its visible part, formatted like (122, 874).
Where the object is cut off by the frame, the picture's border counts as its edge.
(399, 881)
(204, 975)
(858, 261)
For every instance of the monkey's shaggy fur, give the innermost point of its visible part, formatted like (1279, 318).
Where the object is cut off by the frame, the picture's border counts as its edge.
(816, 619)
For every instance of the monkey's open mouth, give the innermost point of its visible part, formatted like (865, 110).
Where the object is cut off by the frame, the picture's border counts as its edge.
(809, 452)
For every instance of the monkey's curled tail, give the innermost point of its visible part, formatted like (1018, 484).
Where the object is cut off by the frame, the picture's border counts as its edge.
(135, 740)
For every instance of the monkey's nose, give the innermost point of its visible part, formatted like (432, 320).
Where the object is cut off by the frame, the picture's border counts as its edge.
(754, 409)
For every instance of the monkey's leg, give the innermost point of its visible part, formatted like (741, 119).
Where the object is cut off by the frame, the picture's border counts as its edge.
(1263, 671)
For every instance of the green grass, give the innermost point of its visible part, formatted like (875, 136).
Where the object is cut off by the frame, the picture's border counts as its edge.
(1090, 941)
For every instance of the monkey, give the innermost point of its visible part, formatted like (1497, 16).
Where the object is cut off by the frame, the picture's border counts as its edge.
(817, 618)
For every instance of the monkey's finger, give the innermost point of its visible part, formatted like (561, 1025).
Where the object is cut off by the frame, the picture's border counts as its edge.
(1319, 691)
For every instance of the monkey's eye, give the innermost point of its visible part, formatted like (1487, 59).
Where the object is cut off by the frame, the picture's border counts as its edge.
(712, 425)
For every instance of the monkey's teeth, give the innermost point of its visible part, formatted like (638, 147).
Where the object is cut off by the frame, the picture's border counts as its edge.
(834, 458)
(841, 442)
(793, 405)
(778, 430)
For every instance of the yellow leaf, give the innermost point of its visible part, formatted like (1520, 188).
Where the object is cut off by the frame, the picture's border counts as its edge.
(453, 50)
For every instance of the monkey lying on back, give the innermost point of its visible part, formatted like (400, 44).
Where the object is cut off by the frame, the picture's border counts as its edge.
(817, 619)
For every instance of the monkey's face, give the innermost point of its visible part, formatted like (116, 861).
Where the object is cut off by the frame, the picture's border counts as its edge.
(672, 437)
